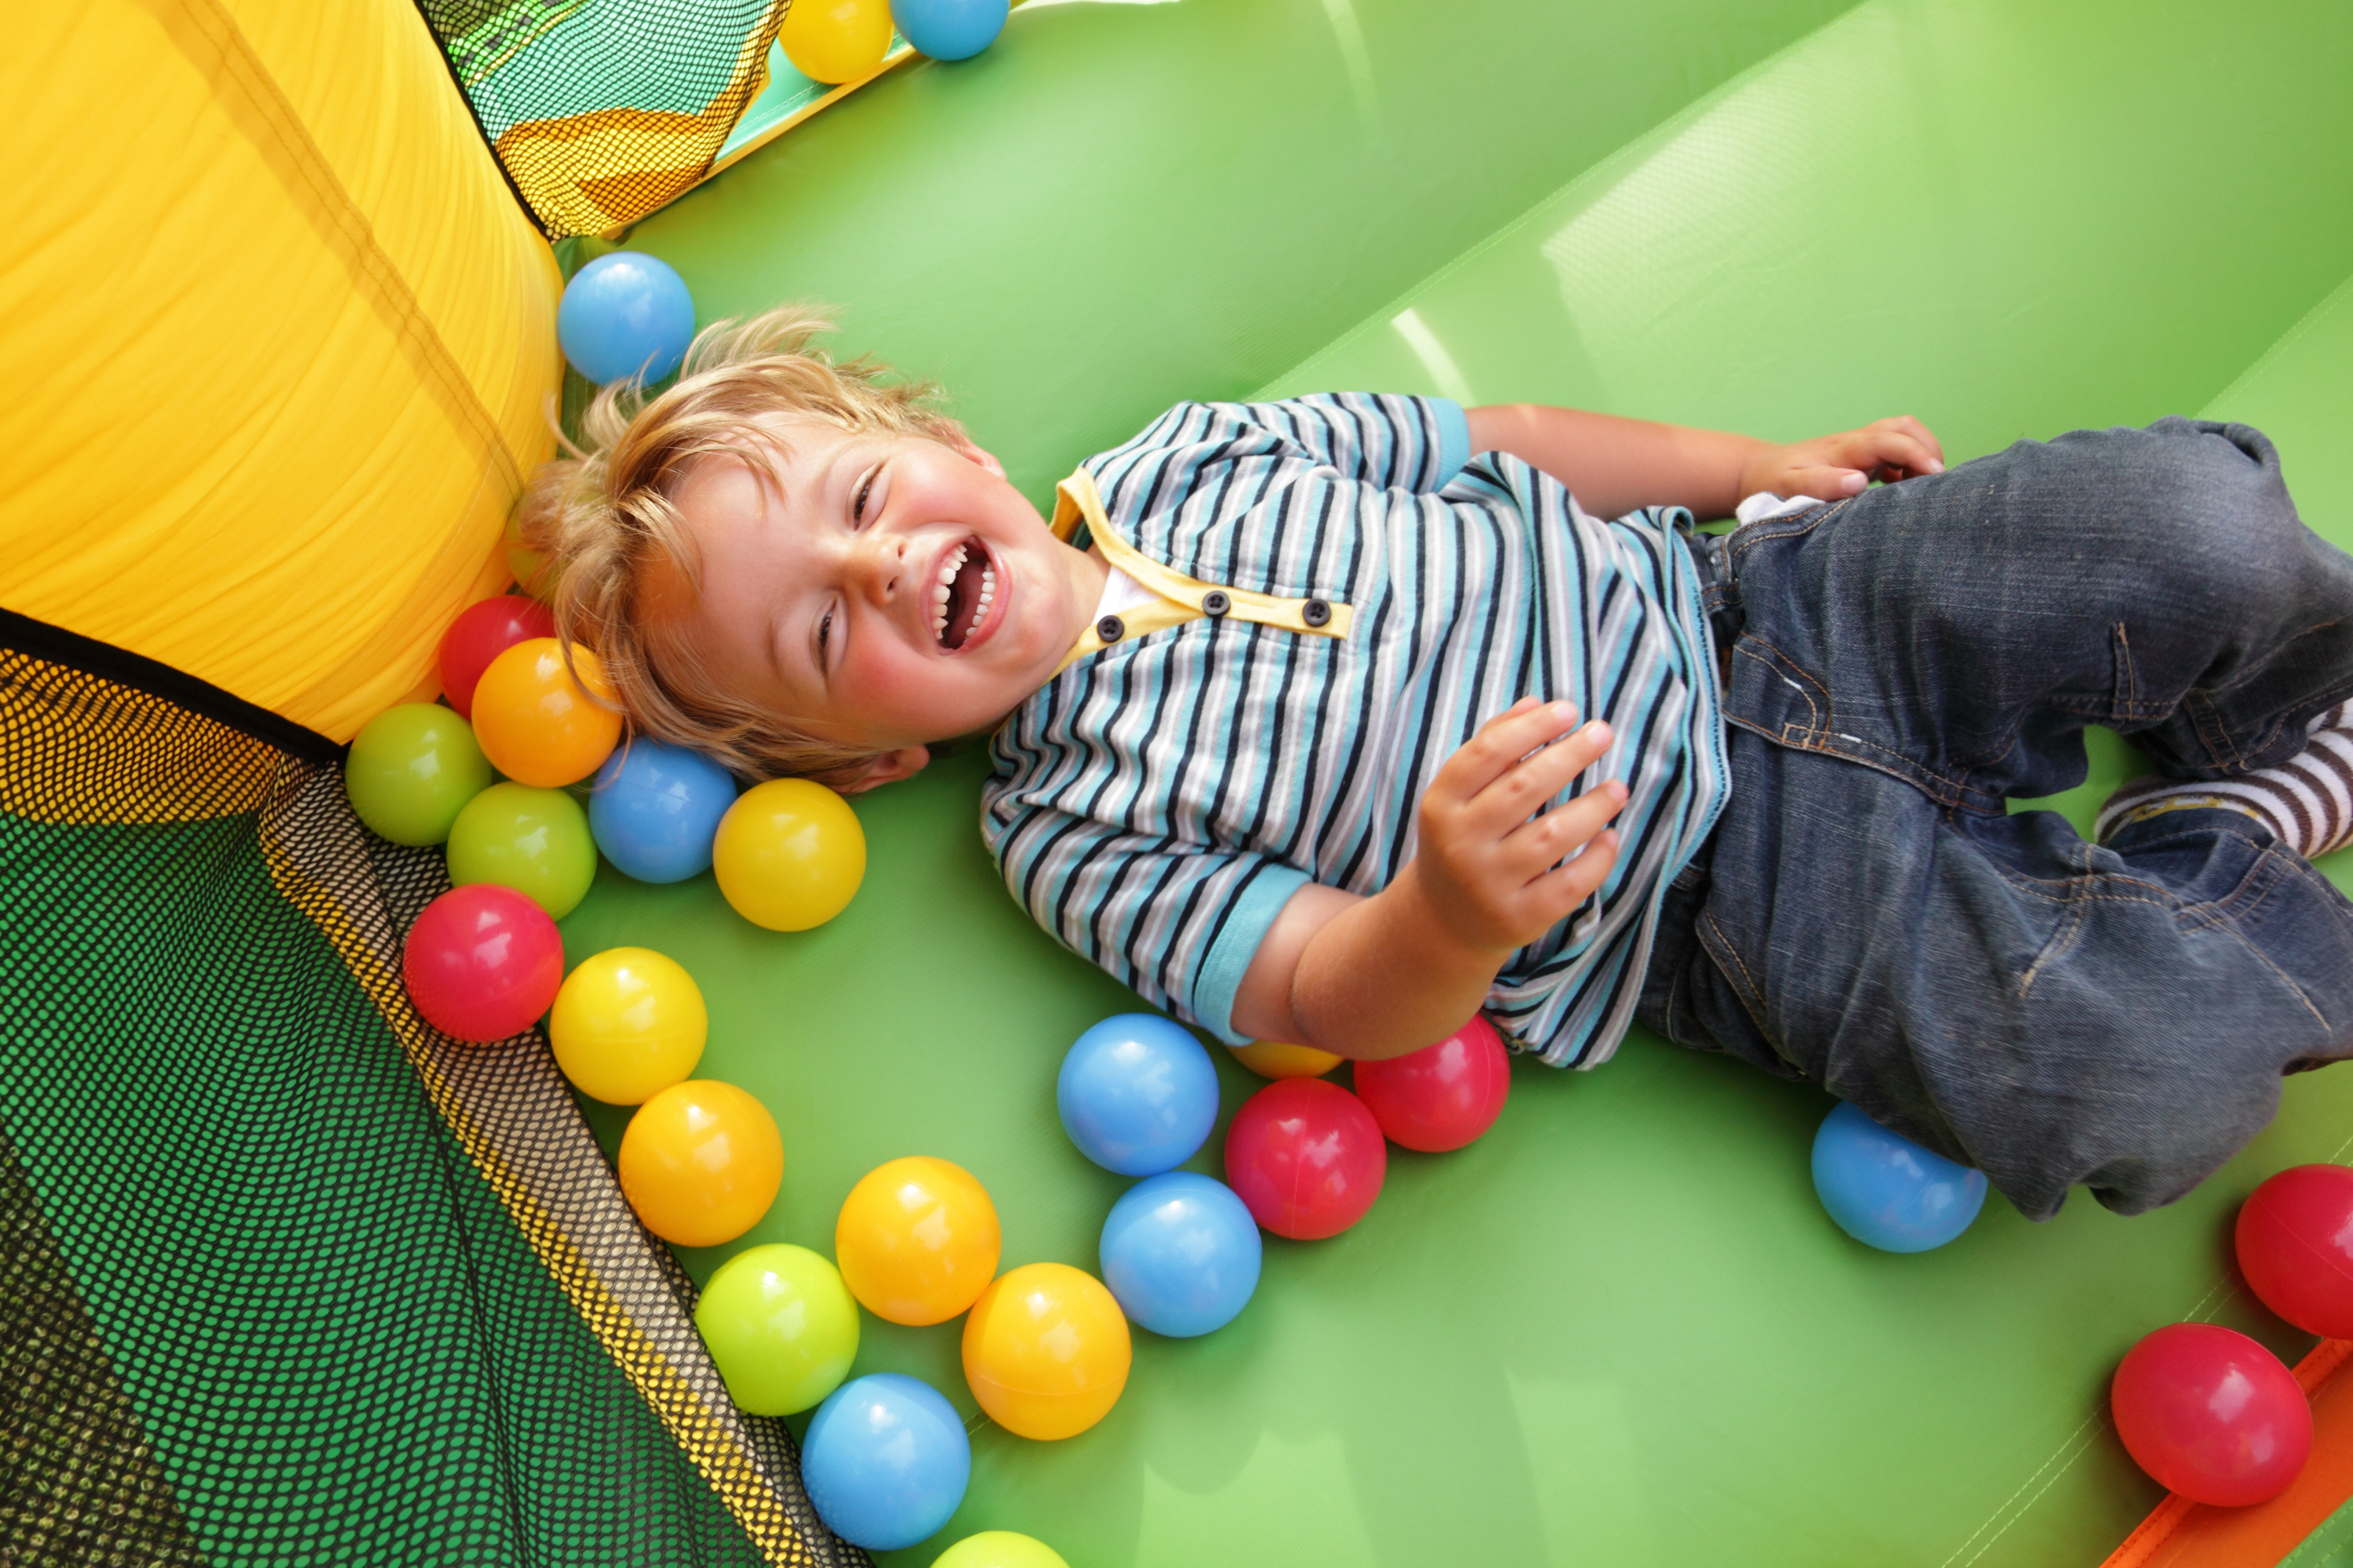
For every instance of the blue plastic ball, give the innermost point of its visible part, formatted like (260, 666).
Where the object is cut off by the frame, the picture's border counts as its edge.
(885, 1461)
(655, 809)
(1886, 1191)
(1180, 1253)
(949, 30)
(625, 314)
(1137, 1094)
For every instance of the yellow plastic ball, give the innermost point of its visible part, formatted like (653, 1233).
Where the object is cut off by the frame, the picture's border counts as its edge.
(628, 1024)
(1273, 1058)
(1046, 1351)
(1000, 1549)
(539, 726)
(701, 1162)
(917, 1241)
(789, 854)
(836, 40)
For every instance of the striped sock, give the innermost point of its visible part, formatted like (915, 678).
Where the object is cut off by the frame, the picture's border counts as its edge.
(2306, 801)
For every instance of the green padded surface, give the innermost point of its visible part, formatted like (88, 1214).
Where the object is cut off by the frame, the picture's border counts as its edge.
(1618, 1331)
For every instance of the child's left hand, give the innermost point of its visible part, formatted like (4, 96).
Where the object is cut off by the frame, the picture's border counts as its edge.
(1831, 467)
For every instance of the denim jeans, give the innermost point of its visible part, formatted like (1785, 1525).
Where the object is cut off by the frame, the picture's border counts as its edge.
(1868, 916)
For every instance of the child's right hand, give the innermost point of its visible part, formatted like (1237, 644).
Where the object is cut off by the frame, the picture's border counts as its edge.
(1489, 861)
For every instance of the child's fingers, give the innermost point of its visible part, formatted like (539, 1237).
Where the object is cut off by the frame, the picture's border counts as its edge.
(1558, 892)
(1551, 837)
(1894, 448)
(1500, 744)
(1521, 790)
(1918, 432)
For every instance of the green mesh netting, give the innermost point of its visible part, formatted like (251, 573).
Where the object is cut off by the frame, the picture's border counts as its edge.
(260, 1300)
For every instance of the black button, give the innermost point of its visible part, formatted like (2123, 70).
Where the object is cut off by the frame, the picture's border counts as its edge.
(1316, 612)
(1215, 603)
(1110, 628)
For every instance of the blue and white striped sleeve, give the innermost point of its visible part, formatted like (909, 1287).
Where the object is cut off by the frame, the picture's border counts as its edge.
(1382, 438)
(1176, 923)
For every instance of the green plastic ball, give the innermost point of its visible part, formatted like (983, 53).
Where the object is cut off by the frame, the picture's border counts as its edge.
(999, 1549)
(535, 841)
(781, 1327)
(412, 770)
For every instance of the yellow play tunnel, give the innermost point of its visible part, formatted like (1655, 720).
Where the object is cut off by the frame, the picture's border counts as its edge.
(277, 338)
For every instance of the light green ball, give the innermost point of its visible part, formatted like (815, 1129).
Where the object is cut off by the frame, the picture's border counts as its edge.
(999, 1549)
(535, 841)
(781, 1326)
(412, 770)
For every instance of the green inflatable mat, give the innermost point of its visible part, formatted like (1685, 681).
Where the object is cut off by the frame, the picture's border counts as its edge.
(1620, 1330)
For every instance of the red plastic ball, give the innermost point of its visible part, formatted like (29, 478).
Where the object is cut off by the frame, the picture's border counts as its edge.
(1305, 1157)
(2211, 1414)
(481, 633)
(2295, 1248)
(1442, 1095)
(483, 963)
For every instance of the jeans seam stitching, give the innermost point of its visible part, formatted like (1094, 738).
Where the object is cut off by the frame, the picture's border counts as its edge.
(1745, 984)
(2063, 939)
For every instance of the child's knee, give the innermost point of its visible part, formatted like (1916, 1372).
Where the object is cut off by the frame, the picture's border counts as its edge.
(2207, 514)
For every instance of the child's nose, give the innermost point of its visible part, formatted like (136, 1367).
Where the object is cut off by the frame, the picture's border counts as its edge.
(877, 566)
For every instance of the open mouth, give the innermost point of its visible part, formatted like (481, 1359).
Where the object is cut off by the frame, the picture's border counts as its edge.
(963, 593)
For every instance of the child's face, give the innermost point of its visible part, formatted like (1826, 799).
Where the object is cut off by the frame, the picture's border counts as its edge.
(894, 591)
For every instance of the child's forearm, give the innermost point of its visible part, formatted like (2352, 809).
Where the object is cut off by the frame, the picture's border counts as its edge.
(1613, 465)
(1367, 977)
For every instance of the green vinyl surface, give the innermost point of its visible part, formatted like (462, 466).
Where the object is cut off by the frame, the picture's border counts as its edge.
(1619, 1329)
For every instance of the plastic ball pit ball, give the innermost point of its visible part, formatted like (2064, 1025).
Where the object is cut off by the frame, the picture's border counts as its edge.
(999, 1549)
(536, 723)
(780, 1326)
(1180, 1254)
(412, 770)
(2211, 1414)
(1306, 1157)
(1046, 1351)
(1442, 1095)
(1273, 1058)
(1137, 1094)
(628, 1024)
(481, 633)
(835, 41)
(789, 854)
(949, 30)
(2295, 1240)
(625, 314)
(1886, 1191)
(918, 1240)
(483, 963)
(886, 1461)
(701, 1162)
(655, 809)
(533, 840)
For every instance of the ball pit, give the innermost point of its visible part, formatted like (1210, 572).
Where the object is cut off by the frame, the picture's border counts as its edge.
(628, 1024)
(533, 840)
(2295, 1241)
(1442, 1095)
(655, 809)
(1180, 1254)
(483, 963)
(885, 1461)
(625, 314)
(1046, 1351)
(789, 854)
(2211, 1414)
(411, 770)
(1887, 1192)
(1306, 1157)
(780, 1326)
(701, 1162)
(917, 1239)
(1137, 1094)
(537, 724)
(481, 633)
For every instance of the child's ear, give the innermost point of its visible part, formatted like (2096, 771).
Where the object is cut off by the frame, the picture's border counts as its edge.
(963, 447)
(890, 767)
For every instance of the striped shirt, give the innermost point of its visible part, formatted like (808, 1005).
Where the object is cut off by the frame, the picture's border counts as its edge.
(1342, 601)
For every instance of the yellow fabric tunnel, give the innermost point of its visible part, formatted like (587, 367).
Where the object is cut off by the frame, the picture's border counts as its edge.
(278, 341)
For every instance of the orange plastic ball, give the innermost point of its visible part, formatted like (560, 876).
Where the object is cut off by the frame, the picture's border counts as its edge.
(1046, 1351)
(917, 1241)
(701, 1162)
(836, 40)
(1273, 1058)
(535, 722)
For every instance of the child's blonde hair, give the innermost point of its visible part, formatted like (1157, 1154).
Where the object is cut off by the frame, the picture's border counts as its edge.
(603, 516)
